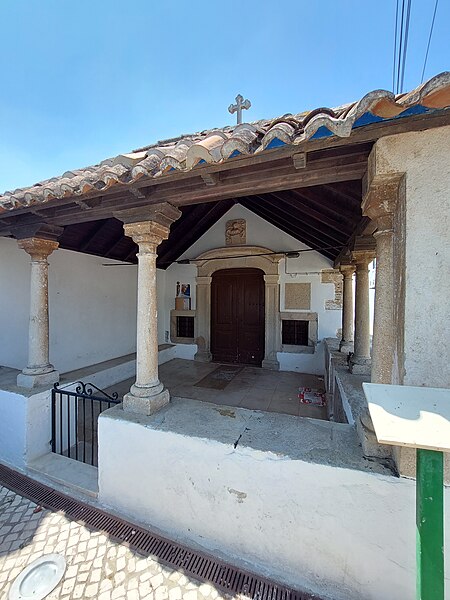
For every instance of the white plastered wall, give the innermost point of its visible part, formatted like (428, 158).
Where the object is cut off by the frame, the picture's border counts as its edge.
(345, 534)
(424, 157)
(308, 267)
(92, 308)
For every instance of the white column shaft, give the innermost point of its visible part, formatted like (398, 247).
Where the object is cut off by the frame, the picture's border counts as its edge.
(147, 322)
(38, 333)
(147, 395)
(39, 371)
(362, 315)
(348, 316)
(383, 327)
(348, 310)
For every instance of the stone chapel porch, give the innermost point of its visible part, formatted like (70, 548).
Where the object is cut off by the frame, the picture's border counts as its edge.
(318, 198)
(287, 493)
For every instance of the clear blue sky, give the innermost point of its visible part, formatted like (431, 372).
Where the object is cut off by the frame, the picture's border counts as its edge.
(83, 80)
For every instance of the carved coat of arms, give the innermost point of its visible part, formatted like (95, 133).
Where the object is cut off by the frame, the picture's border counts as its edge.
(235, 232)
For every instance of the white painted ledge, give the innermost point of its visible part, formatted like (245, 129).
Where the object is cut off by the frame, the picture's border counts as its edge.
(73, 477)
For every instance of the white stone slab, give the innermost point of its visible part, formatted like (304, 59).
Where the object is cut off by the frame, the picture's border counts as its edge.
(418, 417)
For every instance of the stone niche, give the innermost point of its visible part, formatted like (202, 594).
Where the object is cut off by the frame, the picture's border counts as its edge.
(178, 328)
(313, 325)
(335, 277)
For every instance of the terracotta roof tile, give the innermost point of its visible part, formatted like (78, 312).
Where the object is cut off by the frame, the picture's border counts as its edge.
(216, 146)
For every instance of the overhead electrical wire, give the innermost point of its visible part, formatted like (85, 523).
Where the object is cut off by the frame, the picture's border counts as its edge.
(408, 15)
(429, 40)
(402, 21)
(286, 253)
(399, 49)
(395, 46)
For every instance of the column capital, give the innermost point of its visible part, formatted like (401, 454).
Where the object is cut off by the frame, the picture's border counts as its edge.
(147, 235)
(38, 248)
(150, 225)
(362, 258)
(347, 270)
(272, 279)
(40, 230)
(381, 197)
(203, 280)
(162, 213)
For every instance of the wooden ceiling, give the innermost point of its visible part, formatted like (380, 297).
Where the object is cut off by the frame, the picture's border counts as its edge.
(324, 217)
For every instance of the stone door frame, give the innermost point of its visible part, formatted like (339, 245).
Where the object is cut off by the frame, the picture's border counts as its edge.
(239, 257)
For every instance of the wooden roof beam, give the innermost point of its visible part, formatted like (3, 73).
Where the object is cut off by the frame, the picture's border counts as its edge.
(197, 224)
(323, 235)
(305, 238)
(347, 195)
(325, 202)
(314, 215)
(86, 242)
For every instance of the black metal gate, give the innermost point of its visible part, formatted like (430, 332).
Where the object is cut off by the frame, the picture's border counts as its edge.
(75, 420)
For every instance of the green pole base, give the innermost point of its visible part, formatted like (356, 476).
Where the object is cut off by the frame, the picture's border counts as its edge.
(430, 524)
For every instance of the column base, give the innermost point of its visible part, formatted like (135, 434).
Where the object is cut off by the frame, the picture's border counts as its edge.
(203, 356)
(346, 347)
(145, 405)
(272, 365)
(33, 380)
(360, 365)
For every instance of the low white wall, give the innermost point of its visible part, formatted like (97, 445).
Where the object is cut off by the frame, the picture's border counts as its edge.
(25, 427)
(25, 423)
(12, 428)
(303, 363)
(344, 534)
(92, 308)
(186, 351)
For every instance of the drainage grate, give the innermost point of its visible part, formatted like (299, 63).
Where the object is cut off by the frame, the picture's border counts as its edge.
(223, 576)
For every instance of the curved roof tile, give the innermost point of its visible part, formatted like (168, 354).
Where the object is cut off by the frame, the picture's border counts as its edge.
(207, 150)
(216, 146)
(283, 131)
(241, 141)
(175, 156)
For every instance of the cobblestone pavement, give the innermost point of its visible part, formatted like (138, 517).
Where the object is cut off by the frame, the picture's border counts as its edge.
(96, 566)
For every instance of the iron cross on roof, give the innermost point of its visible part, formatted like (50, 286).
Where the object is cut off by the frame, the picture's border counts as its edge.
(240, 105)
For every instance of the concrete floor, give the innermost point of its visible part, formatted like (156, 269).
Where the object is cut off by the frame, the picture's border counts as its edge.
(252, 388)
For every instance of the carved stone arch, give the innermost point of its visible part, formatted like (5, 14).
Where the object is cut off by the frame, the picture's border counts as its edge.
(239, 257)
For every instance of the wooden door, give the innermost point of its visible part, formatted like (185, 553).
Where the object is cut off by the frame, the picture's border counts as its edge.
(237, 316)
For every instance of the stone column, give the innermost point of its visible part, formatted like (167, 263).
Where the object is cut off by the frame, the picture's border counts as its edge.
(203, 319)
(148, 229)
(39, 371)
(346, 343)
(379, 204)
(360, 361)
(272, 327)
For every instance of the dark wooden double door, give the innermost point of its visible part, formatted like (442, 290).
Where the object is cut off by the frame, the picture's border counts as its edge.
(237, 316)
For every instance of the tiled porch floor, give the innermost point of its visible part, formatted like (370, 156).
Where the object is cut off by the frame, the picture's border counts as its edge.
(252, 388)
(97, 566)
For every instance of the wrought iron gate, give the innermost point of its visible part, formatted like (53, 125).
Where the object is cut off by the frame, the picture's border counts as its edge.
(75, 420)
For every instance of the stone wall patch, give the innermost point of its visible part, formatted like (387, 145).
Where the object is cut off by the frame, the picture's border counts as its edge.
(335, 277)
